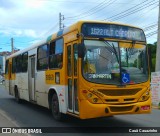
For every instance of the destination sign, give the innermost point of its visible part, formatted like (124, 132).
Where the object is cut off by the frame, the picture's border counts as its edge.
(113, 31)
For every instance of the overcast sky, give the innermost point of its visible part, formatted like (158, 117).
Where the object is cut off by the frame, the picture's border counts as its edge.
(28, 21)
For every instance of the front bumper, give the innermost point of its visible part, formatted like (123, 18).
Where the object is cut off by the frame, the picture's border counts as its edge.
(89, 110)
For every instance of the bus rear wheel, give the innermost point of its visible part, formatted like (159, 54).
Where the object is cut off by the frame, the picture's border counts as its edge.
(17, 95)
(55, 108)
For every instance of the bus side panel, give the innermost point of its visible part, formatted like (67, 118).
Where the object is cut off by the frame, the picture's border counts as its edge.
(24, 93)
(41, 95)
(18, 83)
(7, 76)
(12, 82)
(43, 85)
(11, 78)
(7, 83)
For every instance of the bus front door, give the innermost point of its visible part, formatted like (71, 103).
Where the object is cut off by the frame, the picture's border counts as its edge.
(31, 78)
(72, 74)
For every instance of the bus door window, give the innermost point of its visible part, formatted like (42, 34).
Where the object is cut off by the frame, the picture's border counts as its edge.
(69, 71)
(72, 70)
(32, 84)
(75, 48)
(75, 55)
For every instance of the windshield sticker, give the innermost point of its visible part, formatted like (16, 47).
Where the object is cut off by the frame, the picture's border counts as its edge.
(102, 76)
(125, 78)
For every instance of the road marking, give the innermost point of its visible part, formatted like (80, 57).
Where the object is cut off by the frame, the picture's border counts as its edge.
(10, 120)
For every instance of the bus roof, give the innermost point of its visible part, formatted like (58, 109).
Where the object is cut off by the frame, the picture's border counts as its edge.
(64, 31)
(78, 25)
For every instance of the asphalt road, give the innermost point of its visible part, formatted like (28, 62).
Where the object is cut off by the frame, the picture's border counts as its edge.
(30, 115)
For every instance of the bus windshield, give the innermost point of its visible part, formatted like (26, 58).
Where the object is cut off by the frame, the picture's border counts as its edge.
(110, 62)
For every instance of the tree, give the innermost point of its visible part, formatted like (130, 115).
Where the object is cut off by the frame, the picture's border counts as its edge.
(152, 50)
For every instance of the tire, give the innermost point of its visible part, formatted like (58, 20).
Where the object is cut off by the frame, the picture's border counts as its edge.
(55, 108)
(17, 96)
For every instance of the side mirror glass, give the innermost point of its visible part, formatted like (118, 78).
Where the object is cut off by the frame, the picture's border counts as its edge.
(81, 50)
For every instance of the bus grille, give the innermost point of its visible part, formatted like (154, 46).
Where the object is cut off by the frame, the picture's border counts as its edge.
(119, 92)
(121, 109)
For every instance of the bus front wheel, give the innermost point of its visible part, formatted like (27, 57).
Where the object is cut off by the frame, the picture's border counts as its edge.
(55, 108)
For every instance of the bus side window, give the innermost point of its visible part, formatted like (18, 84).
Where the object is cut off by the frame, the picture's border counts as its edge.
(24, 62)
(56, 54)
(6, 68)
(52, 55)
(42, 57)
(18, 63)
(13, 65)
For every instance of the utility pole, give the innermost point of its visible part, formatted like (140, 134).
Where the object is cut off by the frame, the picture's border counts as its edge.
(12, 46)
(158, 44)
(61, 18)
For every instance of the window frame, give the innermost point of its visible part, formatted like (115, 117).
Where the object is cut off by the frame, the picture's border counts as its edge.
(7, 66)
(55, 55)
(24, 70)
(18, 63)
(47, 57)
(14, 65)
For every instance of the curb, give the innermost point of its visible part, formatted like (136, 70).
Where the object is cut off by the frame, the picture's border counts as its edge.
(155, 107)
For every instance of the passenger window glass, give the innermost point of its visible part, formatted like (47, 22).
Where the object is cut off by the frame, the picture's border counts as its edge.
(6, 68)
(42, 59)
(56, 54)
(69, 67)
(59, 46)
(18, 63)
(75, 48)
(24, 62)
(13, 65)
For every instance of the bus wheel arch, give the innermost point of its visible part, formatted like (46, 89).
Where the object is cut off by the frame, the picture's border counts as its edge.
(16, 94)
(54, 105)
(50, 95)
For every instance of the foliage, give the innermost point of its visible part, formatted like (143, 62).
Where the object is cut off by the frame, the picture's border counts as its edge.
(152, 50)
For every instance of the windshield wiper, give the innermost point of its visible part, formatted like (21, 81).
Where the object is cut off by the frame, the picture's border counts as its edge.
(112, 49)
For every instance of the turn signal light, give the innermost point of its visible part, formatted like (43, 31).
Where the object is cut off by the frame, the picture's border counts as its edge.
(84, 91)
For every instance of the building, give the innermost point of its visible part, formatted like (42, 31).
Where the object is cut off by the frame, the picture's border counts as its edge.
(2, 65)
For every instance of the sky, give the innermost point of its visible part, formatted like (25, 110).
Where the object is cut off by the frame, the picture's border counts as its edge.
(30, 21)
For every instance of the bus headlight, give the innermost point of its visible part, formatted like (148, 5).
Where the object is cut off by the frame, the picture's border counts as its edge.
(145, 96)
(91, 97)
(147, 93)
(95, 100)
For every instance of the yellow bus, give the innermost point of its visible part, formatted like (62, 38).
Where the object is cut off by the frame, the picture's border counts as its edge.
(88, 70)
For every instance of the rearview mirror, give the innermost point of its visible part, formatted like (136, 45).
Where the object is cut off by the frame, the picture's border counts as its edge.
(81, 50)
